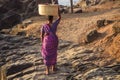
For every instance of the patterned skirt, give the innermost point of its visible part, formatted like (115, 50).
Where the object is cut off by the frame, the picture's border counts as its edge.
(49, 50)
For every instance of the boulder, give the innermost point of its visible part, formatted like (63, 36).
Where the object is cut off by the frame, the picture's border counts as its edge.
(78, 10)
(100, 23)
(107, 22)
(22, 33)
(64, 9)
(17, 68)
(91, 36)
(88, 2)
(24, 7)
(9, 20)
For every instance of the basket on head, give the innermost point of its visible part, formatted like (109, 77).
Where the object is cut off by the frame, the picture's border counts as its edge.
(48, 9)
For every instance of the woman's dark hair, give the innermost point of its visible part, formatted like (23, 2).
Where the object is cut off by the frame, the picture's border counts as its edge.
(50, 18)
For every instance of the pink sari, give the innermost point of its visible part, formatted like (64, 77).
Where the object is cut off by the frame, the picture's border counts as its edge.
(50, 44)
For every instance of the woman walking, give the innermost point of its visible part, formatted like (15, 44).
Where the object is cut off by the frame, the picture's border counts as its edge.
(50, 43)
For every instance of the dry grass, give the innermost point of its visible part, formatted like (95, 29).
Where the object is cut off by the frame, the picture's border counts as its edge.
(114, 48)
(106, 5)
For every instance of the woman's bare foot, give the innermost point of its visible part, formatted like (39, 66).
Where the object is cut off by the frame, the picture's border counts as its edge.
(46, 72)
(53, 69)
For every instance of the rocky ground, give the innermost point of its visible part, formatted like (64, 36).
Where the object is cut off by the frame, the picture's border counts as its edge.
(22, 59)
(88, 48)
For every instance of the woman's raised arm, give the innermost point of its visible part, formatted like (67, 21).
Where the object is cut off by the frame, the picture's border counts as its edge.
(59, 14)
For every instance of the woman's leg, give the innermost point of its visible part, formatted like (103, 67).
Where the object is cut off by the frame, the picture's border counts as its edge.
(47, 70)
(53, 68)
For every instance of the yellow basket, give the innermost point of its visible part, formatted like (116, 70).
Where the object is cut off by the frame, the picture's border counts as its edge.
(48, 9)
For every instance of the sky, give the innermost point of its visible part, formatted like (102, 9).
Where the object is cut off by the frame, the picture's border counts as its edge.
(66, 2)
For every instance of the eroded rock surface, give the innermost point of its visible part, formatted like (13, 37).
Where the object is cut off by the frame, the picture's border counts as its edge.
(22, 59)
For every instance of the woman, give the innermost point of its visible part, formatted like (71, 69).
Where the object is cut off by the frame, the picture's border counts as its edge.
(50, 43)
